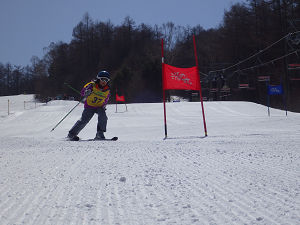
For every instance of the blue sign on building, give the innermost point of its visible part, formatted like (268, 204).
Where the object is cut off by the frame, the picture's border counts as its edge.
(275, 90)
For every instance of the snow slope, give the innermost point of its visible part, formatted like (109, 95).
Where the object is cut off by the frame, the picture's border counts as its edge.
(247, 171)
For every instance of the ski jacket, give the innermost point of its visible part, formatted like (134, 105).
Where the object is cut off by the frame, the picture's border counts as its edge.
(99, 95)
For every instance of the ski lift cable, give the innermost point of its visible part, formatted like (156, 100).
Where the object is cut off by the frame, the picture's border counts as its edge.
(256, 54)
(271, 61)
(262, 64)
(204, 74)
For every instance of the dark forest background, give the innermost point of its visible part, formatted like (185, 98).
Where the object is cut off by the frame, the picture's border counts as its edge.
(256, 39)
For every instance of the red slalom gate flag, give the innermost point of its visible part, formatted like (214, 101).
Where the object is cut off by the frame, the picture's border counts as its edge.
(181, 78)
(120, 98)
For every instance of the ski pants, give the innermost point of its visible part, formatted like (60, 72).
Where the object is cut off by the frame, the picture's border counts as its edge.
(86, 116)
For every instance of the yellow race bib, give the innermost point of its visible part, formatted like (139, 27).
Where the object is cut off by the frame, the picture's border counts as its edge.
(97, 97)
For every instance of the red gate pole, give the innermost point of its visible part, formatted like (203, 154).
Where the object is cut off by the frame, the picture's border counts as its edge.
(200, 91)
(163, 85)
(116, 100)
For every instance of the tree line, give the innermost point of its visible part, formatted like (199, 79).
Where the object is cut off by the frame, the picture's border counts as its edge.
(132, 54)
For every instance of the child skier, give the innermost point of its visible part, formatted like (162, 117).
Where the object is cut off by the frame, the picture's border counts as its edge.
(96, 94)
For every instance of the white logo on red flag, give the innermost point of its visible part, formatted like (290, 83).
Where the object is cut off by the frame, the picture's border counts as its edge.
(181, 78)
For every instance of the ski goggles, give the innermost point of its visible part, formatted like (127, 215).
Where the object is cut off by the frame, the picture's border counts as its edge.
(105, 79)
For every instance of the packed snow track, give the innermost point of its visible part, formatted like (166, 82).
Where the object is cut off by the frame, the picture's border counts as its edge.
(246, 171)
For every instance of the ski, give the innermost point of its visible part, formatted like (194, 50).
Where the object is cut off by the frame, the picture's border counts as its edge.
(106, 139)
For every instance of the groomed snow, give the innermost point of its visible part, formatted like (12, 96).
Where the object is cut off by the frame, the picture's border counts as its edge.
(247, 171)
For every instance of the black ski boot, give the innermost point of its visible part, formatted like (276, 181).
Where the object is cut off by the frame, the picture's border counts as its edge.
(73, 137)
(99, 136)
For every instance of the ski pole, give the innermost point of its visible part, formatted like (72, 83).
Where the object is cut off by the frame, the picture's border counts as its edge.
(101, 95)
(72, 88)
(79, 91)
(68, 114)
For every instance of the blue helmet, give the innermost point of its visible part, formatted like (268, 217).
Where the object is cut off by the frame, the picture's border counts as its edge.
(103, 73)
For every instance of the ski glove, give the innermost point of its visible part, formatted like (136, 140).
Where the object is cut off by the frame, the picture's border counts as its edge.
(87, 92)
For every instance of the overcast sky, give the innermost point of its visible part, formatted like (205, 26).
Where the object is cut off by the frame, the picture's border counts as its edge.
(27, 26)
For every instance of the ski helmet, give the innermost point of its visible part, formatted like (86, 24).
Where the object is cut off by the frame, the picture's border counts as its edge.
(103, 73)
